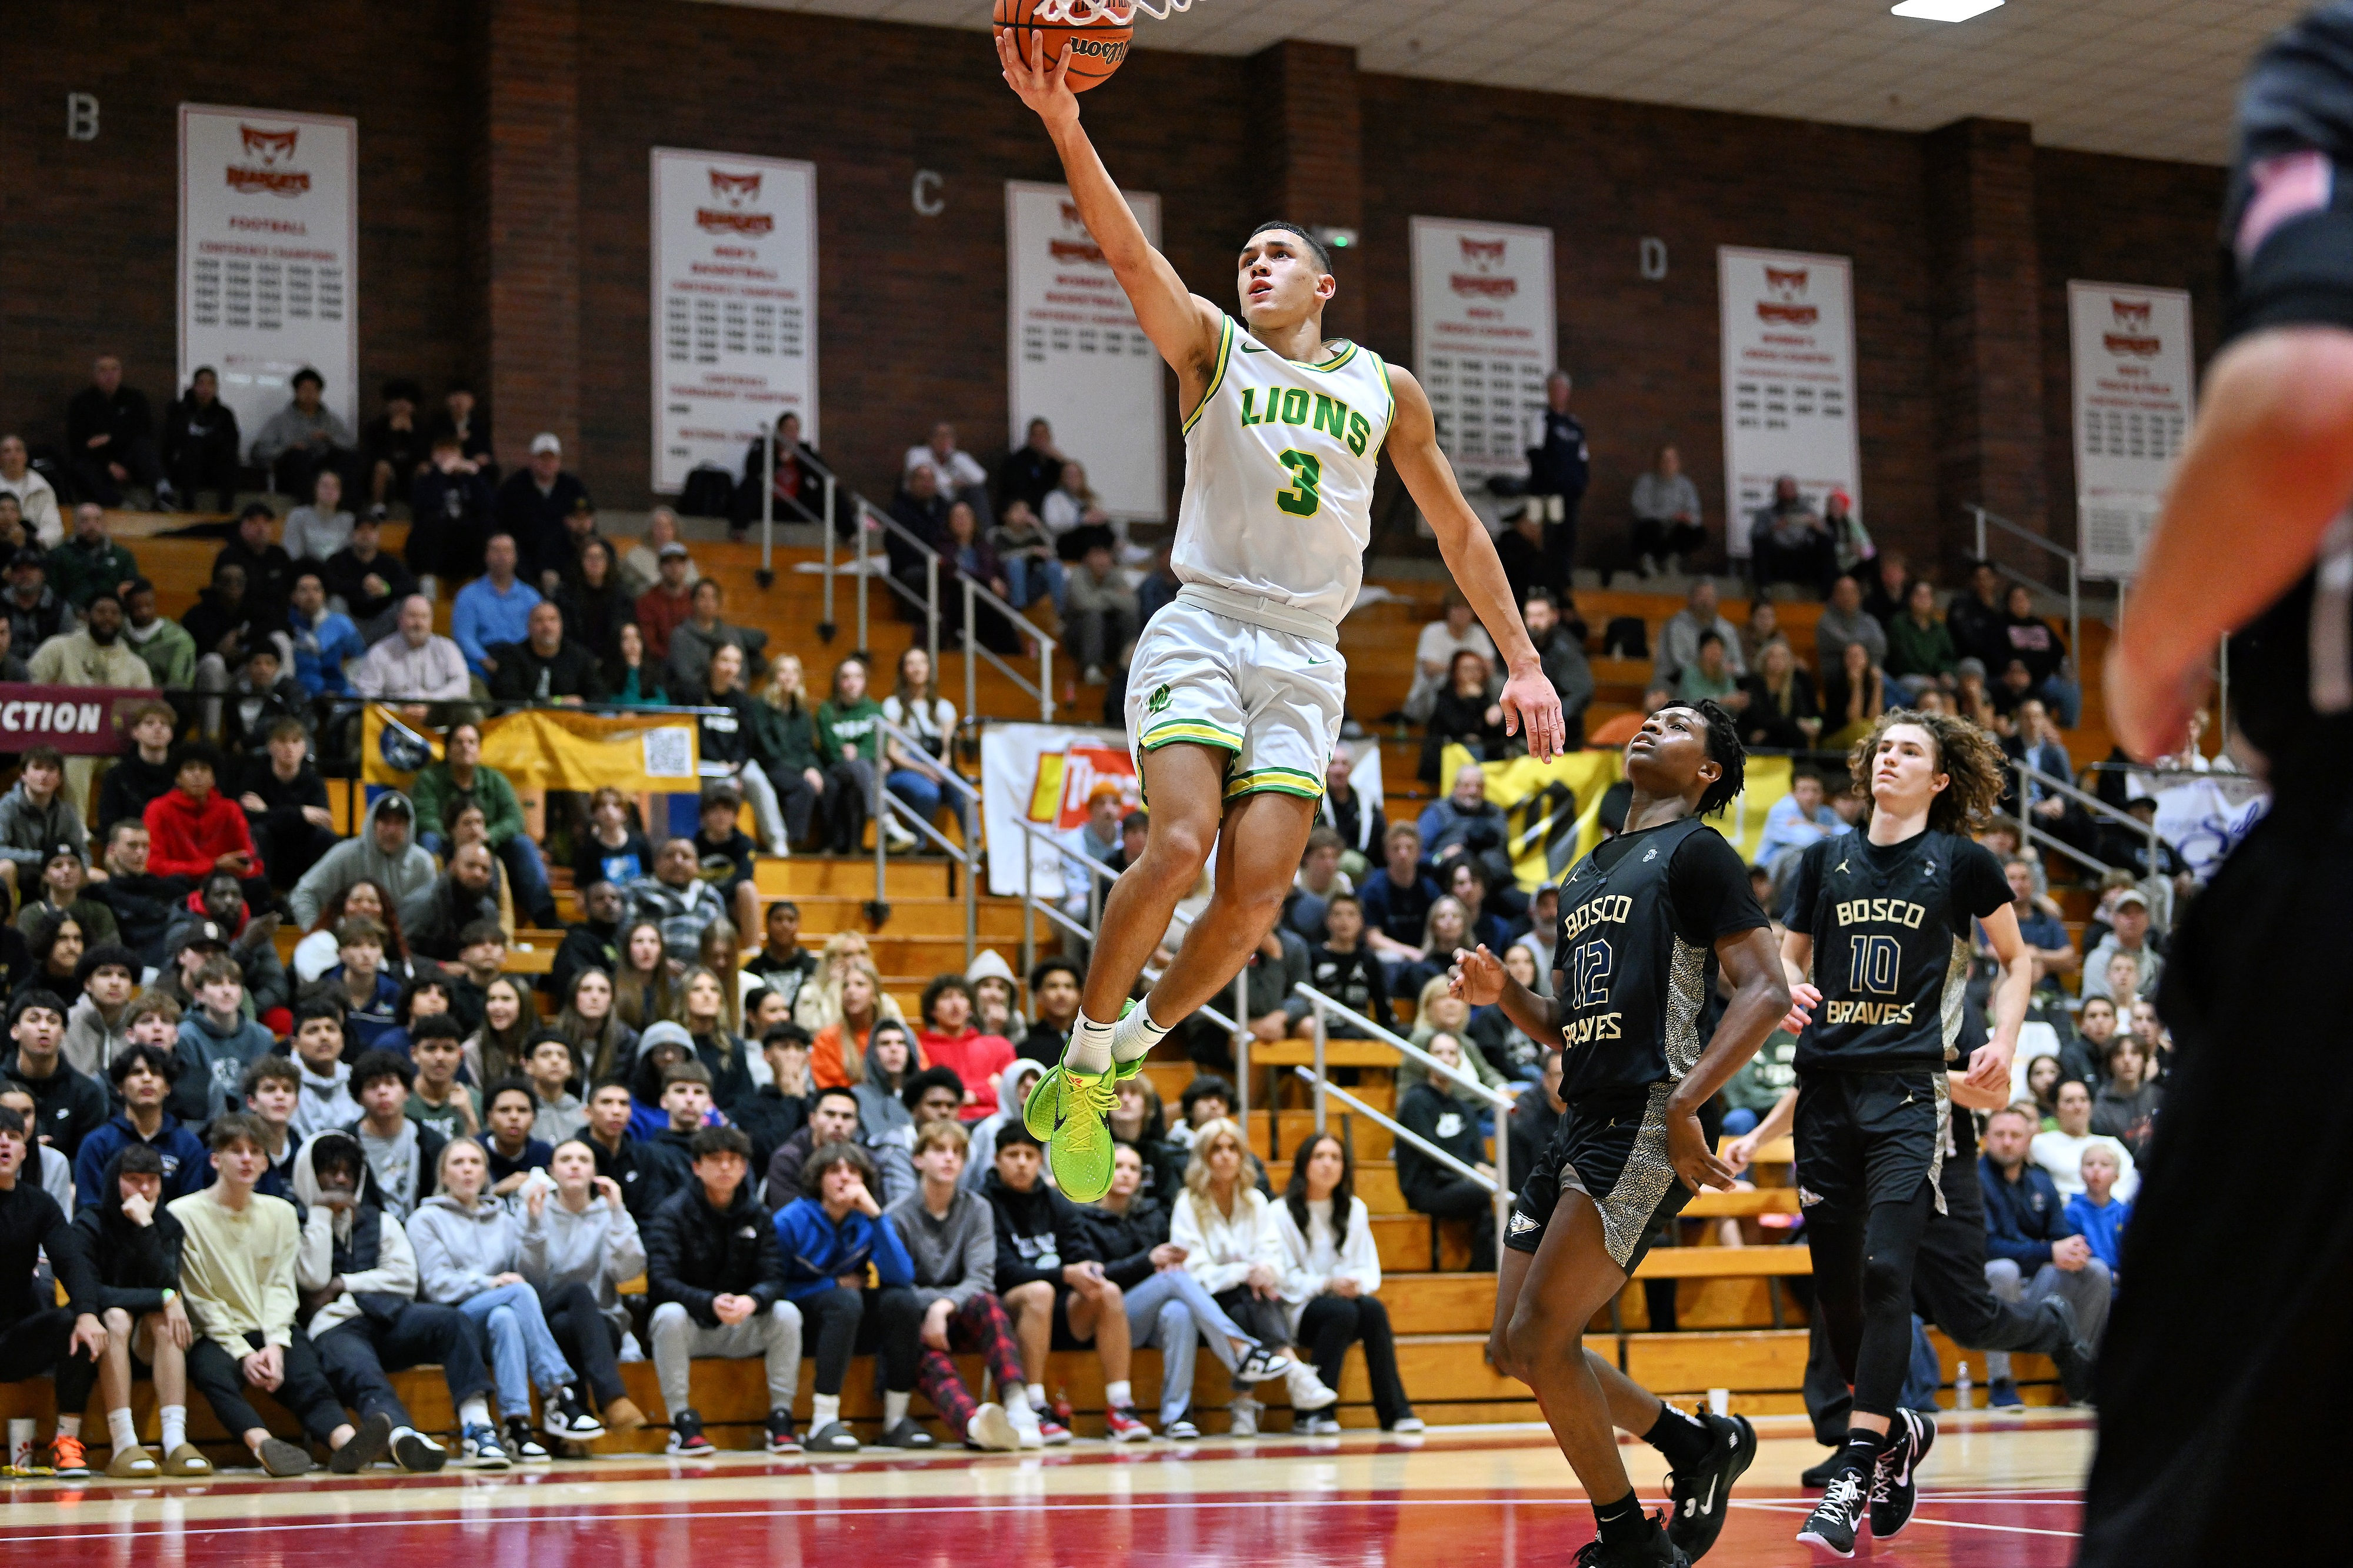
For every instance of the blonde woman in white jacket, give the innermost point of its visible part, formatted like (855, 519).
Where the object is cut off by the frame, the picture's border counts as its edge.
(1231, 1244)
(1330, 1274)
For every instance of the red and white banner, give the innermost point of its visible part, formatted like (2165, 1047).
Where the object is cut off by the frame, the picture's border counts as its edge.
(2136, 389)
(734, 307)
(1075, 354)
(269, 256)
(1789, 380)
(1484, 337)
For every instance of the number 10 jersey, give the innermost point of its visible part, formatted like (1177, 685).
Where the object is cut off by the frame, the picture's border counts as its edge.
(1280, 459)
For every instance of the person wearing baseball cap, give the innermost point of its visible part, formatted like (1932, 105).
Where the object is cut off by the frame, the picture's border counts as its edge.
(533, 502)
(2128, 935)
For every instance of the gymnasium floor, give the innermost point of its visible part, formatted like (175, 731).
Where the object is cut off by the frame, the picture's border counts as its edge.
(1997, 1490)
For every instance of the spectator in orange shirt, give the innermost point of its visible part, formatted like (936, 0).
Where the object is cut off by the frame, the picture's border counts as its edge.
(949, 1040)
(195, 830)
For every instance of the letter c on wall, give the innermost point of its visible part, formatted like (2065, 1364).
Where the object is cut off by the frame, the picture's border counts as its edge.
(929, 202)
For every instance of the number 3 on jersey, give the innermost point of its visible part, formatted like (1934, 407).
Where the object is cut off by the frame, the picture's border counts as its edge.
(1307, 473)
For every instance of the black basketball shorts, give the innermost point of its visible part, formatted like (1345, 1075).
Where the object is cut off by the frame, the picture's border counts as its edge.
(1612, 1149)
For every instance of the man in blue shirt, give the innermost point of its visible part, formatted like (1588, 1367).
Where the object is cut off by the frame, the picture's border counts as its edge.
(323, 639)
(1397, 899)
(2044, 932)
(493, 608)
(2031, 1250)
(1797, 820)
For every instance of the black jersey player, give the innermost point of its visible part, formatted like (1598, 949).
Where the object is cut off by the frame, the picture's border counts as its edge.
(2227, 1359)
(1645, 922)
(1881, 917)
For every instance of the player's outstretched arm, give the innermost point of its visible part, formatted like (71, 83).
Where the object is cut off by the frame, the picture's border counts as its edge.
(2268, 467)
(1989, 1063)
(1528, 701)
(1797, 962)
(1761, 997)
(1181, 325)
(1481, 978)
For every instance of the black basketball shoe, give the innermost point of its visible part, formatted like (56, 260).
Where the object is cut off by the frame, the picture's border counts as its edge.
(1894, 1480)
(1699, 1498)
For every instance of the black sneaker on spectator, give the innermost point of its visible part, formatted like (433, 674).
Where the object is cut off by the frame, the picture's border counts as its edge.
(369, 1438)
(524, 1444)
(567, 1419)
(992, 1431)
(1121, 1425)
(1698, 1498)
(414, 1452)
(279, 1457)
(1265, 1366)
(1894, 1480)
(2003, 1395)
(833, 1437)
(480, 1446)
(1053, 1432)
(904, 1434)
(782, 1436)
(686, 1433)
(1180, 1430)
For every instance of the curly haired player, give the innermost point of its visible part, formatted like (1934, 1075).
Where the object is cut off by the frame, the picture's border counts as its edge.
(1644, 921)
(1882, 918)
(1236, 689)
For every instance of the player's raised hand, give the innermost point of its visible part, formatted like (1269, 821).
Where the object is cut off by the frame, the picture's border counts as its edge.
(1044, 84)
(1803, 999)
(1531, 705)
(1476, 977)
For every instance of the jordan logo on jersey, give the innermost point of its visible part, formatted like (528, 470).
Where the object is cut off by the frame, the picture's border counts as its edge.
(1318, 411)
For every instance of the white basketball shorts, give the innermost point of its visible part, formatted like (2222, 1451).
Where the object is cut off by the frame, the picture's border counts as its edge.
(1273, 699)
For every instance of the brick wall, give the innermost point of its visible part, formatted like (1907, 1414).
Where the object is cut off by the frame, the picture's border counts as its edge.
(89, 230)
(482, 171)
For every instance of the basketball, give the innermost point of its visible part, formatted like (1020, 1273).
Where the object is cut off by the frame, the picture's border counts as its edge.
(1098, 32)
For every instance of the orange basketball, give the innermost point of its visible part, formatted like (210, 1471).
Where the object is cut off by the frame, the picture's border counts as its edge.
(1096, 30)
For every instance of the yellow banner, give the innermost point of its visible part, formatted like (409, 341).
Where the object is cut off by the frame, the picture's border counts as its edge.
(550, 747)
(1554, 808)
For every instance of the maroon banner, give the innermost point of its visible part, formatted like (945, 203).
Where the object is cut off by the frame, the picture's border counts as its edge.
(76, 720)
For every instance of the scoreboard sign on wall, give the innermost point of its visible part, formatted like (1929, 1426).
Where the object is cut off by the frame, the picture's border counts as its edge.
(2135, 381)
(1484, 337)
(1789, 380)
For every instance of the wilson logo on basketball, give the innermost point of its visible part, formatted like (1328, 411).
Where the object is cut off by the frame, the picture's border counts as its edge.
(268, 152)
(1786, 307)
(734, 194)
(2132, 339)
(1484, 256)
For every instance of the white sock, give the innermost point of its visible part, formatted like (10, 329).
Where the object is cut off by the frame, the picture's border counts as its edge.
(1037, 1398)
(68, 1426)
(1134, 1036)
(175, 1425)
(120, 1430)
(474, 1411)
(1118, 1396)
(895, 1406)
(1089, 1046)
(825, 1409)
(1016, 1400)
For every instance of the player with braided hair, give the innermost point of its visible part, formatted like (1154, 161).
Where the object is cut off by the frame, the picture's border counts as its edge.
(1644, 921)
(1880, 918)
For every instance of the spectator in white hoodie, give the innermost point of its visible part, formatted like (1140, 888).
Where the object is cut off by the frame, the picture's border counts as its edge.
(579, 1243)
(1331, 1277)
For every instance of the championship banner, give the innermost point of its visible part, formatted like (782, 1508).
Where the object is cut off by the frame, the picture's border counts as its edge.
(1484, 337)
(79, 721)
(734, 307)
(1042, 774)
(548, 748)
(2136, 384)
(1075, 354)
(1789, 380)
(269, 256)
(1553, 810)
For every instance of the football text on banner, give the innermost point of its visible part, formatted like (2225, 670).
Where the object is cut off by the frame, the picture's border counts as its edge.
(2135, 382)
(1484, 337)
(79, 721)
(1789, 381)
(1552, 810)
(1075, 356)
(734, 307)
(547, 748)
(269, 256)
(1043, 775)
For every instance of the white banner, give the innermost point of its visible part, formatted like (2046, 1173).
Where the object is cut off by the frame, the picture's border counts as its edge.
(1074, 355)
(1789, 380)
(1484, 337)
(269, 256)
(2204, 816)
(2136, 386)
(734, 307)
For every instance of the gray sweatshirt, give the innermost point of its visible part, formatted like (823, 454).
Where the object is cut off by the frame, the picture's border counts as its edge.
(457, 1253)
(357, 859)
(93, 1043)
(289, 427)
(28, 832)
(598, 1247)
(955, 1257)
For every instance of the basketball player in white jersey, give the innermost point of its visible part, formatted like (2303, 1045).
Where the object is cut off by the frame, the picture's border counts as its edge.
(1235, 693)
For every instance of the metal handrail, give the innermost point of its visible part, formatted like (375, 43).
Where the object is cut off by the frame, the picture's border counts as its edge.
(2093, 805)
(887, 806)
(1468, 1079)
(2074, 563)
(1498, 1185)
(975, 594)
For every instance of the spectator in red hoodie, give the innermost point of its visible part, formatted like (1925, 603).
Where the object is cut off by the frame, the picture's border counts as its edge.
(193, 829)
(949, 1040)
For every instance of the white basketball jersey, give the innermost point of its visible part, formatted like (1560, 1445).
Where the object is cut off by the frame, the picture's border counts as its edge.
(1278, 465)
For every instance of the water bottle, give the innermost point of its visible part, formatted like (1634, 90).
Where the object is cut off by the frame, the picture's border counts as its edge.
(1961, 1386)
